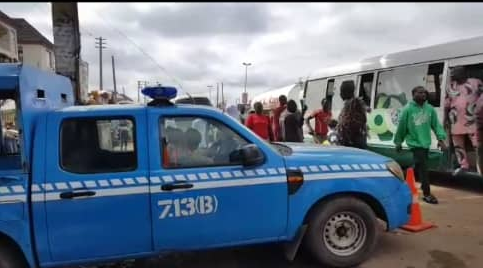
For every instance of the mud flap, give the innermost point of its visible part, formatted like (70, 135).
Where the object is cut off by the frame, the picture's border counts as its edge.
(291, 248)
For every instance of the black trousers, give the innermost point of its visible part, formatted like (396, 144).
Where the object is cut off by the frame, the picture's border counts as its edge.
(420, 156)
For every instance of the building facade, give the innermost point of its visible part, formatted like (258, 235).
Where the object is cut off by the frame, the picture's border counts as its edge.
(8, 40)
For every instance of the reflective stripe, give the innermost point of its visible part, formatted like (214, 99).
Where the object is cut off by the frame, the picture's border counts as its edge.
(347, 175)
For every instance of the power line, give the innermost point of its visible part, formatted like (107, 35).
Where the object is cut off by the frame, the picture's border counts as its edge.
(140, 49)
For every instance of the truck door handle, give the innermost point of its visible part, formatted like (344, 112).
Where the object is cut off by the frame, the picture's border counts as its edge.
(172, 186)
(71, 195)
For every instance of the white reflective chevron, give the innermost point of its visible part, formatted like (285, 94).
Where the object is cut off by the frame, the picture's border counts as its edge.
(314, 168)
(18, 189)
(238, 173)
(226, 174)
(142, 180)
(356, 167)
(167, 179)
(155, 180)
(4, 190)
(249, 173)
(346, 167)
(35, 188)
(203, 176)
(47, 186)
(383, 166)
(214, 175)
(90, 184)
(116, 182)
(304, 169)
(192, 177)
(104, 183)
(76, 184)
(375, 166)
(61, 186)
(335, 167)
(281, 170)
(365, 166)
(272, 171)
(261, 172)
(179, 177)
(324, 168)
(129, 181)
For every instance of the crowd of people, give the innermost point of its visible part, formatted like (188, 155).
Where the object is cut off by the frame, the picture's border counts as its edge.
(286, 121)
(463, 119)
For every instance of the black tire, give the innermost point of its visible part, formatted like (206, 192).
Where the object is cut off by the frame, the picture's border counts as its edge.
(11, 257)
(348, 211)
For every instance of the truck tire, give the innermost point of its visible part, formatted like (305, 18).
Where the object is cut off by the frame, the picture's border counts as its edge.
(11, 257)
(342, 232)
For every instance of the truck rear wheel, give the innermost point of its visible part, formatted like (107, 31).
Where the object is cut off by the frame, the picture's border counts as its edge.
(342, 232)
(11, 257)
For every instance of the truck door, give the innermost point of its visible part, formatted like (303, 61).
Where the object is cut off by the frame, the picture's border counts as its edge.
(199, 198)
(96, 186)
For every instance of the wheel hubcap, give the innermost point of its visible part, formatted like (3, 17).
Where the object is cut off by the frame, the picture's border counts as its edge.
(344, 233)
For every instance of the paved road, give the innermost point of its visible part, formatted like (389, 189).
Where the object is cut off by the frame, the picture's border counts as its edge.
(456, 242)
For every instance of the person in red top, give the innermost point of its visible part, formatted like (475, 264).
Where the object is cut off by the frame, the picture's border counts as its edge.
(259, 123)
(322, 119)
(276, 113)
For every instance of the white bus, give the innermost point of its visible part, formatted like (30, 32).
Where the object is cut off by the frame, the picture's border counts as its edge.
(385, 83)
(269, 99)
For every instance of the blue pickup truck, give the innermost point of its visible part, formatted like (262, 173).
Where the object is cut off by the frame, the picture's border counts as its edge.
(101, 184)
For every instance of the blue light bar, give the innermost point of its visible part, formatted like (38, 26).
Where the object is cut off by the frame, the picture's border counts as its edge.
(160, 92)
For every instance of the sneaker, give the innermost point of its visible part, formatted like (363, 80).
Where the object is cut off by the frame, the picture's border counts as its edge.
(430, 199)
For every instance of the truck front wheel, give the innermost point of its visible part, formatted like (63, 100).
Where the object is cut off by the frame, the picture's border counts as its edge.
(342, 232)
(11, 257)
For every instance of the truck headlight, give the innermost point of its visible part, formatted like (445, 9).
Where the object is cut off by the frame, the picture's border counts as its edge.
(395, 169)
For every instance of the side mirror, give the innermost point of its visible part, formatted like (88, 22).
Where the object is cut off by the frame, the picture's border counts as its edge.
(248, 155)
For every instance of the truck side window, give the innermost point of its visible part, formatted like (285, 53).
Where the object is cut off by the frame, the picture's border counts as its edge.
(98, 145)
(197, 142)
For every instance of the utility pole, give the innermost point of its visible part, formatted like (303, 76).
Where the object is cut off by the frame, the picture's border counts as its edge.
(222, 97)
(100, 44)
(145, 85)
(114, 79)
(209, 88)
(139, 91)
(65, 24)
(246, 74)
(217, 94)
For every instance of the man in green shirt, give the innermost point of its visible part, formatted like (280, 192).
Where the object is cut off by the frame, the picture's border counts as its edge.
(415, 124)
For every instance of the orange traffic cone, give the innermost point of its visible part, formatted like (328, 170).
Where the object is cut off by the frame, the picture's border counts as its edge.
(415, 223)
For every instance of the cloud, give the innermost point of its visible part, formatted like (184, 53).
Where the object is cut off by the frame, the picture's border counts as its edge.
(201, 19)
(200, 44)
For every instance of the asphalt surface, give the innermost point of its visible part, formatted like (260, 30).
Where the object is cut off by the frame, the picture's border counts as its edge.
(455, 242)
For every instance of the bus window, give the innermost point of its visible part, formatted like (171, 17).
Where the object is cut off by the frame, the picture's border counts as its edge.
(394, 87)
(314, 93)
(330, 92)
(365, 87)
(433, 83)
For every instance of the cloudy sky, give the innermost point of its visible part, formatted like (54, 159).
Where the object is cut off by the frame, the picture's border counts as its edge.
(200, 44)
